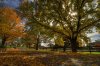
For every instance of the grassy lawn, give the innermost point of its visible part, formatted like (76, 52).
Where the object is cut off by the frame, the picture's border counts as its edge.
(90, 53)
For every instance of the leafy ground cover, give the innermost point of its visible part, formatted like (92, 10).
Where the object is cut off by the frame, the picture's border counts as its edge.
(45, 58)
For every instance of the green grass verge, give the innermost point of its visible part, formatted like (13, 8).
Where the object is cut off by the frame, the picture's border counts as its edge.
(89, 52)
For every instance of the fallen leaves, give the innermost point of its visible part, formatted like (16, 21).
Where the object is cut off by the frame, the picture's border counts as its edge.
(30, 58)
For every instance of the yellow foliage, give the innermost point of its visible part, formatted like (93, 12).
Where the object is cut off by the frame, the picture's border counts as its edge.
(10, 23)
(59, 41)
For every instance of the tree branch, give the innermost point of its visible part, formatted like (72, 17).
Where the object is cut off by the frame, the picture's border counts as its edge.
(51, 28)
(87, 26)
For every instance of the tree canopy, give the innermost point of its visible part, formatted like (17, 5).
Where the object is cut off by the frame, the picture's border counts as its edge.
(69, 18)
(10, 24)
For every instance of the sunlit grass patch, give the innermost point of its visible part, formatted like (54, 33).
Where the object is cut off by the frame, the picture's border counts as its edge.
(89, 52)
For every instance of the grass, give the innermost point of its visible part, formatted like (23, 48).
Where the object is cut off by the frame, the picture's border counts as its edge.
(98, 53)
(49, 51)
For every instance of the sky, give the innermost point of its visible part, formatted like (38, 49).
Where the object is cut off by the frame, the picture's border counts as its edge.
(11, 3)
(94, 35)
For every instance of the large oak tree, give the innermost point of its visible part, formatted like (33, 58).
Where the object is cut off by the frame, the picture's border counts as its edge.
(70, 18)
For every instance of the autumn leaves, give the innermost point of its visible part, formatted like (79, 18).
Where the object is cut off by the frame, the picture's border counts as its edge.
(10, 25)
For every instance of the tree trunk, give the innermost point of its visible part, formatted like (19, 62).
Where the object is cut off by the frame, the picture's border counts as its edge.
(64, 48)
(3, 42)
(74, 45)
(37, 44)
(66, 43)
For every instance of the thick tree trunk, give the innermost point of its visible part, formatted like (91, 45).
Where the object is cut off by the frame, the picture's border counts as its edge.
(3, 42)
(74, 45)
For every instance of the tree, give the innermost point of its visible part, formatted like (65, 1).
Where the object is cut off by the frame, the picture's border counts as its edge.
(29, 41)
(26, 10)
(39, 33)
(70, 18)
(10, 25)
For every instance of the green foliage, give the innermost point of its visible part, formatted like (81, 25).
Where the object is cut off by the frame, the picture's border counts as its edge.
(59, 41)
(70, 18)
